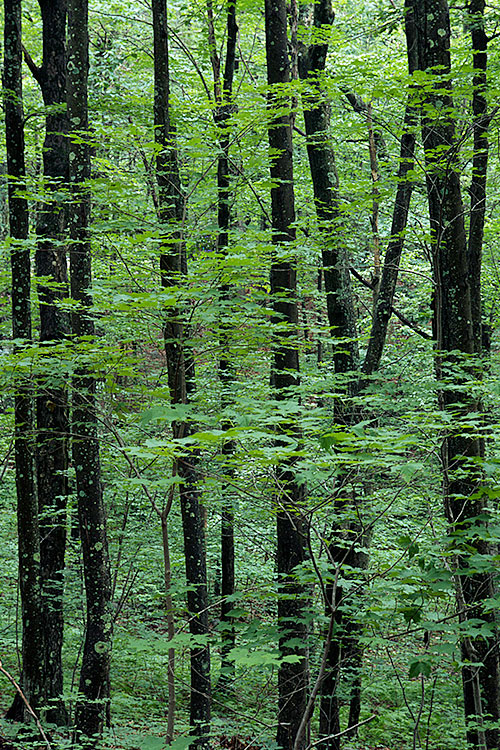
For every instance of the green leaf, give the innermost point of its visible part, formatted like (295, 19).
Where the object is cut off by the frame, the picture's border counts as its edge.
(153, 743)
(418, 668)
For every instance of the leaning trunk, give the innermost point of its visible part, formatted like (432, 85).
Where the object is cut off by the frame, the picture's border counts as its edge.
(339, 299)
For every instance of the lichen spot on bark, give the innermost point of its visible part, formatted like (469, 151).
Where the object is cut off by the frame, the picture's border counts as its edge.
(101, 647)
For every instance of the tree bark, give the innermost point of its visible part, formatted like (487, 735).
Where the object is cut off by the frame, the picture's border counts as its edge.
(341, 315)
(222, 114)
(28, 532)
(480, 125)
(291, 532)
(385, 297)
(181, 376)
(92, 708)
(384, 301)
(428, 32)
(169, 607)
(52, 415)
(339, 299)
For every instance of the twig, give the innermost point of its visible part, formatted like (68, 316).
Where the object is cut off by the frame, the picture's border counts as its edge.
(344, 731)
(319, 680)
(6, 459)
(402, 318)
(25, 701)
(416, 732)
(398, 678)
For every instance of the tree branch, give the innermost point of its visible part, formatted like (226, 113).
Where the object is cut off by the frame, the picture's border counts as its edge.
(34, 68)
(406, 321)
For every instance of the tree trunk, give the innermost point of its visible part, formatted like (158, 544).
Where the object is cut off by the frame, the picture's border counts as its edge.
(385, 297)
(181, 375)
(169, 607)
(341, 316)
(383, 304)
(345, 651)
(28, 531)
(428, 31)
(222, 115)
(339, 299)
(481, 121)
(92, 708)
(52, 402)
(291, 532)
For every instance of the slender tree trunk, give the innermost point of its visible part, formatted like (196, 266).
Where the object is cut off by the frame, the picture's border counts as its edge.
(181, 375)
(372, 149)
(291, 532)
(222, 115)
(385, 297)
(341, 316)
(455, 330)
(339, 299)
(481, 121)
(345, 651)
(92, 708)
(52, 416)
(169, 607)
(33, 647)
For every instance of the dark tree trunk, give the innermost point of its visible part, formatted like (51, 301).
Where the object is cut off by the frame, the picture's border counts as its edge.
(348, 559)
(339, 300)
(181, 374)
(481, 121)
(454, 326)
(345, 652)
(222, 115)
(291, 532)
(383, 307)
(341, 317)
(52, 403)
(385, 297)
(28, 532)
(92, 708)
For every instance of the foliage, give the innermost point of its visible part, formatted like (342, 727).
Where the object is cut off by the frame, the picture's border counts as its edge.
(390, 457)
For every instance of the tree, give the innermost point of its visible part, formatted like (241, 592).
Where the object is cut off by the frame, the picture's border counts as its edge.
(290, 525)
(456, 266)
(33, 647)
(52, 416)
(174, 333)
(224, 108)
(92, 708)
(339, 298)
(181, 378)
